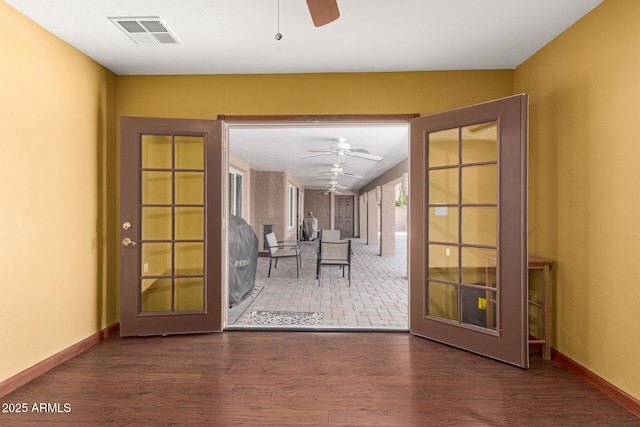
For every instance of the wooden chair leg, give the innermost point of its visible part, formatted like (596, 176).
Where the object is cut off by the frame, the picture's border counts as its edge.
(269, 275)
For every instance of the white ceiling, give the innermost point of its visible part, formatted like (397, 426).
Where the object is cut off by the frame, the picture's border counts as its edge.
(237, 37)
(279, 147)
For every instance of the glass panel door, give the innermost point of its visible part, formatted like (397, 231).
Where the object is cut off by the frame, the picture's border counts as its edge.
(170, 192)
(468, 205)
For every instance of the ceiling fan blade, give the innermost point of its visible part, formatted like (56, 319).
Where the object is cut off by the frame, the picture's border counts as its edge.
(320, 150)
(326, 153)
(323, 11)
(373, 157)
(351, 175)
(359, 150)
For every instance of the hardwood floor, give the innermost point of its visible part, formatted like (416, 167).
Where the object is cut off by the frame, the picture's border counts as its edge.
(305, 378)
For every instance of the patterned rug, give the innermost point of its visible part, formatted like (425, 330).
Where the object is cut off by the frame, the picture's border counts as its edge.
(282, 318)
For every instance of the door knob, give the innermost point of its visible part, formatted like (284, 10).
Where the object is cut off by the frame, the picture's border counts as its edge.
(127, 242)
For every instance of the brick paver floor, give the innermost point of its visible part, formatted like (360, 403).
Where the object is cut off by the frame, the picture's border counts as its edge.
(377, 297)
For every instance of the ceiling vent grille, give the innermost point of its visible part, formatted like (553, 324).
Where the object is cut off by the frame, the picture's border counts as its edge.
(146, 30)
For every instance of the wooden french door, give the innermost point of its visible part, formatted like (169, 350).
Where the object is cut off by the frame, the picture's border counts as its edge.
(344, 215)
(170, 217)
(468, 224)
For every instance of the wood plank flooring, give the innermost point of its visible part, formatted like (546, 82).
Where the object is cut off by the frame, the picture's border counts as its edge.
(305, 379)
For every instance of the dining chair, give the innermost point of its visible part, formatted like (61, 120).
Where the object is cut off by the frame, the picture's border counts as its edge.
(334, 252)
(283, 249)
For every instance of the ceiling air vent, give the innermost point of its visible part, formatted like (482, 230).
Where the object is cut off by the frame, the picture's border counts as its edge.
(146, 30)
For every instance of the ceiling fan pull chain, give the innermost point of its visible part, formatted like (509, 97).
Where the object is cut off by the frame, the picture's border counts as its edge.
(278, 34)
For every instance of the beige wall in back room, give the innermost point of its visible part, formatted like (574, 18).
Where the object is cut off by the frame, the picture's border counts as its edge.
(320, 204)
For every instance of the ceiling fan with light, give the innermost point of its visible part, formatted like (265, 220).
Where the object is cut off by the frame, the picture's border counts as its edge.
(341, 148)
(334, 184)
(331, 187)
(322, 13)
(336, 171)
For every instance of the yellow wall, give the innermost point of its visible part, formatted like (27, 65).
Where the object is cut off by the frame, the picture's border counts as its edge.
(204, 97)
(57, 115)
(584, 175)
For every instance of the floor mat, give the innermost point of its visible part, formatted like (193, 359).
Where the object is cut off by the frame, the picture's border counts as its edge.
(282, 318)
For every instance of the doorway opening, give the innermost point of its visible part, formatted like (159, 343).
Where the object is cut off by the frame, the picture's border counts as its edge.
(339, 173)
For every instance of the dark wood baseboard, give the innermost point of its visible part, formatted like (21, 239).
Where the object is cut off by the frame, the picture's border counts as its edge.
(624, 399)
(46, 365)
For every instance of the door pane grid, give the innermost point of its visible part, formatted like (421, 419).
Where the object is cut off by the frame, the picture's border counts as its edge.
(180, 286)
(476, 187)
(477, 237)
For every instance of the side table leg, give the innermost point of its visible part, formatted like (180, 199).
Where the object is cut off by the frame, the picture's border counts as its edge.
(547, 311)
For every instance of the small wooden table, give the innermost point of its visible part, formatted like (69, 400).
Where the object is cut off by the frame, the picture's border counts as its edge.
(537, 264)
(543, 265)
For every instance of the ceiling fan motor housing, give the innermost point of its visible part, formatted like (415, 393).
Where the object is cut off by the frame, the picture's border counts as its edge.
(341, 145)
